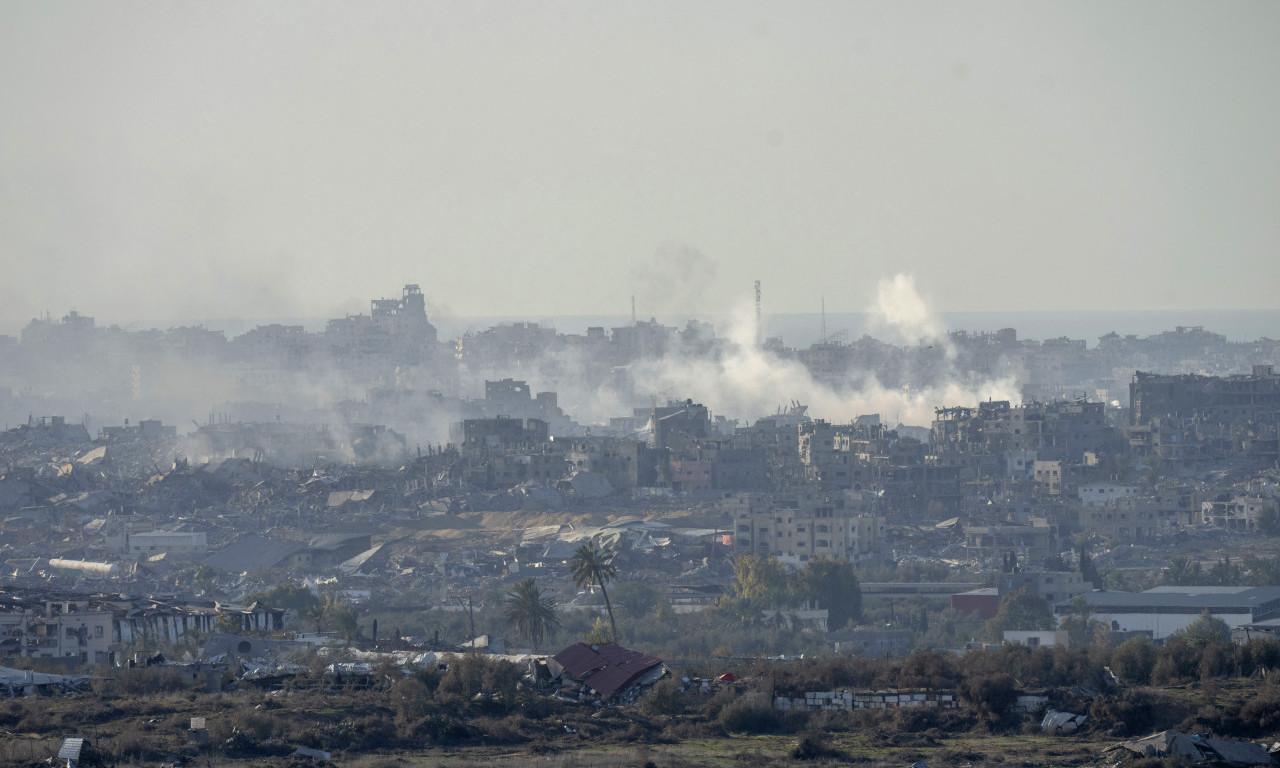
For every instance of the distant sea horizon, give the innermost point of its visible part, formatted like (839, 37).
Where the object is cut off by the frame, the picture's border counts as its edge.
(803, 329)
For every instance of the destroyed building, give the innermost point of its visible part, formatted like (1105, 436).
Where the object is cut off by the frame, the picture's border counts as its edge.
(805, 525)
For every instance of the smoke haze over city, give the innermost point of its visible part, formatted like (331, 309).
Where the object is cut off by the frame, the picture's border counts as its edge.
(200, 161)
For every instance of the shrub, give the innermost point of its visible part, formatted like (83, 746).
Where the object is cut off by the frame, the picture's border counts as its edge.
(990, 694)
(375, 731)
(1129, 714)
(1259, 654)
(665, 698)
(717, 703)
(1134, 660)
(1261, 714)
(914, 719)
(1216, 660)
(410, 697)
(745, 716)
(1176, 661)
(927, 669)
(813, 745)
(436, 728)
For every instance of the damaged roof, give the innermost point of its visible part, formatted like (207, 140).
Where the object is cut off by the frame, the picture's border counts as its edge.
(251, 554)
(1196, 749)
(605, 668)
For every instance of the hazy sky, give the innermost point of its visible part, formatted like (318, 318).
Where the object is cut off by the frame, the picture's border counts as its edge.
(206, 160)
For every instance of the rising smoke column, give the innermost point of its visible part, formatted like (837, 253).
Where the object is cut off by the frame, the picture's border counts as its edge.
(746, 382)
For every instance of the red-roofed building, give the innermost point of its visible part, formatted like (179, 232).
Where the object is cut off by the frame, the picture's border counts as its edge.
(606, 669)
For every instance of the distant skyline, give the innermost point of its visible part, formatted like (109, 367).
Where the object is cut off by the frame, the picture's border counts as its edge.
(186, 160)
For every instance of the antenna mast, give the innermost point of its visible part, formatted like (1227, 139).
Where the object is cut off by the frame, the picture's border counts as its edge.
(633, 310)
(824, 319)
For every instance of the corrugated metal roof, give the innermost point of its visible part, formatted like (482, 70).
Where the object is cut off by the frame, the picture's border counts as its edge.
(251, 554)
(1259, 601)
(71, 749)
(606, 668)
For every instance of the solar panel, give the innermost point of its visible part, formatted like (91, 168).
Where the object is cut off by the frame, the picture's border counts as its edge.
(70, 749)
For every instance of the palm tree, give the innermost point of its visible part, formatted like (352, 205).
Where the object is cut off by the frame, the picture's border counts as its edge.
(532, 613)
(592, 566)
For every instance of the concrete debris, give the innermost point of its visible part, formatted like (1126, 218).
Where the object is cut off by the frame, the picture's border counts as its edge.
(1196, 749)
(1061, 722)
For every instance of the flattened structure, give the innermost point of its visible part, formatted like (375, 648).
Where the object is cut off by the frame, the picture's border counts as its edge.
(605, 668)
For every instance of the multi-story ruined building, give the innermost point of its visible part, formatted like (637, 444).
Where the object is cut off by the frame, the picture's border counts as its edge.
(805, 525)
(997, 438)
(1191, 420)
(1222, 399)
(58, 629)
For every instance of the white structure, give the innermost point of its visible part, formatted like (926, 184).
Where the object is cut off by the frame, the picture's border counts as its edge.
(105, 570)
(151, 543)
(1164, 611)
(1037, 638)
(1020, 464)
(63, 630)
(1102, 494)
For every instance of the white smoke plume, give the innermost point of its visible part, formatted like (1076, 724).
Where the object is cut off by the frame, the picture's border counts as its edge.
(747, 382)
(900, 314)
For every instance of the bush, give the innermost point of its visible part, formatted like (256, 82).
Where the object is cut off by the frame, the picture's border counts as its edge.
(1259, 654)
(1176, 661)
(437, 729)
(470, 674)
(665, 698)
(1130, 714)
(717, 703)
(813, 745)
(1261, 714)
(1134, 660)
(746, 716)
(138, 682)
(375, 731)
(928, 669)
(914, 719)
(1216, 660)
(991, 695)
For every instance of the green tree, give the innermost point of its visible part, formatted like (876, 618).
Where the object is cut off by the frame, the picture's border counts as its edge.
(593, 566)
(598, 634)
(1020, 611)
(1183, 572)
(1206, 630)
(833, 585)
(313, 613)
(1083, 630)
(1089, 570)
(1133, 660)
(1269, 522)
(761, 580)
(530, 612)
(635, 598)
(229, 624)
(342, 618)
(1263, 571)
(1225, 573)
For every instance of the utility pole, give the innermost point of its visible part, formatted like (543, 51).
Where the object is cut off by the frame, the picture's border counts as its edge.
(824, 320)
(471, 621)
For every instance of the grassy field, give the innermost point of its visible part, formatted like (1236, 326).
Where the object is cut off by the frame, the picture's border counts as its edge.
(473, 716)
(252, 728)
